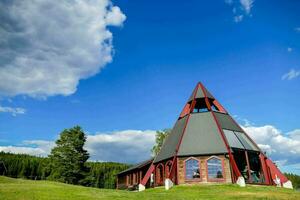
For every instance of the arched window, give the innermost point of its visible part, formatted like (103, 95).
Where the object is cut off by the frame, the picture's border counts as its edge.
(160, 174)
(214, 169)
(192, 169)
(168, 168)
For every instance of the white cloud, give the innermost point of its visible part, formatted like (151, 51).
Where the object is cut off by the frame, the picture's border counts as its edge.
(121, 146)
(289, 49)
(128, 146)
(115, 17)
(131, 146)
(238, 18)
(31, 147)
(297, 29)
(281, 147)
(243, 121)
(292, 74)
(295, 134)
(247, 5)
(241, 9)
(42, 145)
(48, 47)
(23, 150)
(14, 111)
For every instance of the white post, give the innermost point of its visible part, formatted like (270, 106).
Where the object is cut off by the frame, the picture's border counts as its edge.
(288, 185)
(141, 187)
(277, 181)
(168, 184)
(241, 181)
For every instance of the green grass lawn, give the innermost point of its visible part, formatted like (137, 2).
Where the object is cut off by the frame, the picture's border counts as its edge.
(26, 189)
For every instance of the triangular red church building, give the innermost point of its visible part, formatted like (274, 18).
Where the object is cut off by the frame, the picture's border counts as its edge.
(205, 145)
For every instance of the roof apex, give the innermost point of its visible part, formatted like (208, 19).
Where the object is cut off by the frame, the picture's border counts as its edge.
(201, 92)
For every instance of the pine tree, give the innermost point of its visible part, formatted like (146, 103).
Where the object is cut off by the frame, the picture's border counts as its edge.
(68, 157)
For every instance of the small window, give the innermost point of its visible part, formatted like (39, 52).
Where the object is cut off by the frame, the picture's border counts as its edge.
(192, 169)
(214, 168)
(200, 106)
(214, 108)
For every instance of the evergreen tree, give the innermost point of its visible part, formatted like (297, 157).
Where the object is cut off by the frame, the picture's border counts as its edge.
(68, 157)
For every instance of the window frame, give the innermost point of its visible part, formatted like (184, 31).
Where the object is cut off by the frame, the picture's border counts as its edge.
(223, 170)
(156, 174)
(199, 167)
(167, 172)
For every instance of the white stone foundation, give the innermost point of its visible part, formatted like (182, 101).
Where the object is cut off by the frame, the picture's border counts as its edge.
(141, 187)
(168, 184)
(241, 181)
(288, 185)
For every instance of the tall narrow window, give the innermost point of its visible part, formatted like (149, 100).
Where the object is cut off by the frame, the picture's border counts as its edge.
(192, 169)
(160, 174)
(214, 168)
(255, 167)
(168, 168)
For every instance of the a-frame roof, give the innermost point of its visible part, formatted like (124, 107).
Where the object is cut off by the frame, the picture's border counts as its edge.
(200, 93)
(204, 133)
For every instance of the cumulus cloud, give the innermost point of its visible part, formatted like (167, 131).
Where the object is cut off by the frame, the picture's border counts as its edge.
(292, 74)
(297, 29)
(132, 146)
(128, 146)
(282, 147)
(295, 134)
(48, 47)
(13, 111)
(31, 147)
(23, 150)
(247, 5)
(240, 9)
(43, 146)
(289, 49)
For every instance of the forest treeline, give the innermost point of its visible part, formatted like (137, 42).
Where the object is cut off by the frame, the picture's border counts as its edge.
(99, 174)
(68, 163)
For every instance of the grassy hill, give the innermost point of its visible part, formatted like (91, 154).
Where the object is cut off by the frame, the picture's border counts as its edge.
(12, 189)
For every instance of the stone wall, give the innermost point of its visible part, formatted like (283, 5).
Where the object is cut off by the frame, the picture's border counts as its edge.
(203, 170)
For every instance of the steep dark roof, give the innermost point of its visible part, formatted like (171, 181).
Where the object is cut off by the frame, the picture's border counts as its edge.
(169, 146)
(226, 122)
(200, 94)
(137, 166)
(201, 135)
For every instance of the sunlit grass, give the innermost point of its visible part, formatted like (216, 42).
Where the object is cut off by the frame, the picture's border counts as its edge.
(12, 189)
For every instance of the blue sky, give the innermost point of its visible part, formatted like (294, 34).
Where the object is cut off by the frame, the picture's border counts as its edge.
(247, 53)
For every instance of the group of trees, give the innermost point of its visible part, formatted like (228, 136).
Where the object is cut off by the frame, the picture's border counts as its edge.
(67, 163)
(24, 166)
(97, 174)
